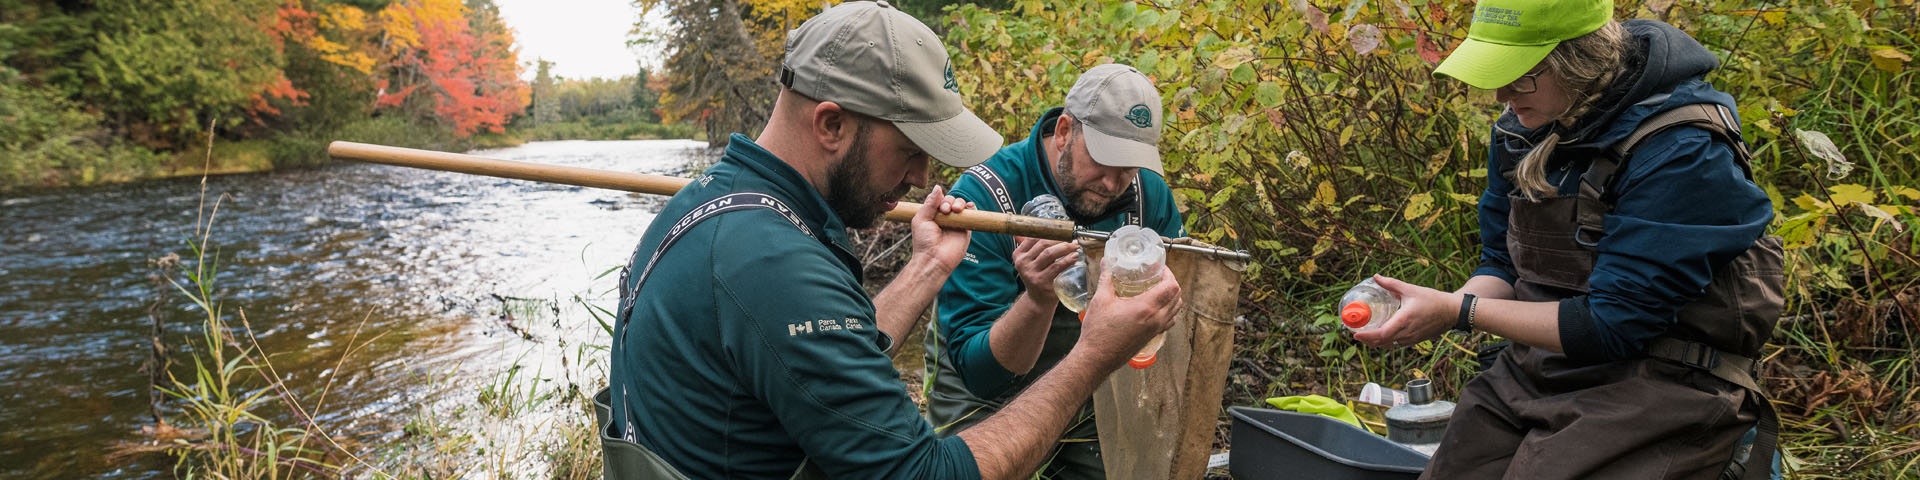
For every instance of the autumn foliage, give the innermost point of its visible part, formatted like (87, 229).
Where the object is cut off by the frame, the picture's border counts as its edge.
(160, 74)
(462, 59)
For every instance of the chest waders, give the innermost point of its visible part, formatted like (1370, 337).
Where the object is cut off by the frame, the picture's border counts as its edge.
(951, 407)
(1553, 244)
(624, 457)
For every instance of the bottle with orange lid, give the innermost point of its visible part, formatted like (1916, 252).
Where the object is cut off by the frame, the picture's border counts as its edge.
(1367, 306)
(1136, 257)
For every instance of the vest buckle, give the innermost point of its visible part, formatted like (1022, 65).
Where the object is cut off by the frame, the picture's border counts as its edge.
(1582, 232)
(1699, 355)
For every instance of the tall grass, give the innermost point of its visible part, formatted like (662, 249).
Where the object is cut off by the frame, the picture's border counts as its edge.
(221, 432)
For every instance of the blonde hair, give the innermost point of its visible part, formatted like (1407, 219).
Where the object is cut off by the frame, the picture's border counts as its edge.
(1586, 65)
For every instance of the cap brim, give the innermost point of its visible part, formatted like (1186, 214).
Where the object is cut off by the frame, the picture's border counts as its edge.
(1490, 65)
(1114, 151)
(961, 141)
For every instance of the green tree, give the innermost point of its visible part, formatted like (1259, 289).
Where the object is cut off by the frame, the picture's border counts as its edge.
(645, 98)
(162, 69)
(720, 62)
(546, 106)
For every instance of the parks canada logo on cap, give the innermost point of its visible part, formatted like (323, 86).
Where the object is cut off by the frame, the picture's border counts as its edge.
(1140, 115)
(952, 84)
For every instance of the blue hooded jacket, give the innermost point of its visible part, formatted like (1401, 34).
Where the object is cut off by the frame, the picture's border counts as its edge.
(1682, 204)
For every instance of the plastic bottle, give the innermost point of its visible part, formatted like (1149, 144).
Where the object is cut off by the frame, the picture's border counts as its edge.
(1367, 306)
(1071, 286)
(1045, 206)
(1136, 257)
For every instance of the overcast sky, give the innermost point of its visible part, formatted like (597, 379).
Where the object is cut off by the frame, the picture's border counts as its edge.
(584, 38)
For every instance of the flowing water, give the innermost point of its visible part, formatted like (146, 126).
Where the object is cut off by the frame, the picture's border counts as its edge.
(445, 278)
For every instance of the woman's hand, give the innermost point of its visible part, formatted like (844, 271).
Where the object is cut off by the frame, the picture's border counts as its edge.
(1424, 314)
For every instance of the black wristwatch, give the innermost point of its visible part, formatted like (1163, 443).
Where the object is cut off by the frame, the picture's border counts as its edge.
(1465, 322)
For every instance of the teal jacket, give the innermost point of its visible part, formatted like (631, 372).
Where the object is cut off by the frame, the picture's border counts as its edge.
(986, 284)
(753, 346)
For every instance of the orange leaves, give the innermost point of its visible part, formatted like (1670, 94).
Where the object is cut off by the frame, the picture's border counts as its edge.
(465, 58)
(291, 20)
(392, 99)
(278, 88)
(1429, 52)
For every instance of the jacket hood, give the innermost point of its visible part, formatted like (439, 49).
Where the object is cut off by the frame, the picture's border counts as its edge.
(1664, 70)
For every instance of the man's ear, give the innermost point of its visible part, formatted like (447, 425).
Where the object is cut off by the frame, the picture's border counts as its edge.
(1062, 126)
(832, 127)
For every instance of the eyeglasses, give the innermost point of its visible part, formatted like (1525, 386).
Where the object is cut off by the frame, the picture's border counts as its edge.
(1526, 83)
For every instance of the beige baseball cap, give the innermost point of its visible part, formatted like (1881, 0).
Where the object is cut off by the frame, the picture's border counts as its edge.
(873, 59)
(1120, 112)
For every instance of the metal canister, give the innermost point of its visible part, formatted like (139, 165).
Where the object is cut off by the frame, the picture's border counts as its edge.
(1422, 421)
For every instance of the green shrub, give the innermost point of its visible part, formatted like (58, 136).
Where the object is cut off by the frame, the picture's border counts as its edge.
(46, 140)
(1313, 134)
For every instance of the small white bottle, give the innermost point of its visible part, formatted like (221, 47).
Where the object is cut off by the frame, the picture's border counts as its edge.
(1135, 256)
(1071, 285)
(1367, 306)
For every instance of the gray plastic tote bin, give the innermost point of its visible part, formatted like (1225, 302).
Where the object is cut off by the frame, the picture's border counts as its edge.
(1278, 444)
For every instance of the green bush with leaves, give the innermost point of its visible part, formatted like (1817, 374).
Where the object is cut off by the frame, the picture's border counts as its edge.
(1314, 135)
(46, 140)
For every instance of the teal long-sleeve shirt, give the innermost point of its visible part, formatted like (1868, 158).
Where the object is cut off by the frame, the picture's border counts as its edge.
(986, 284)
(752, 344)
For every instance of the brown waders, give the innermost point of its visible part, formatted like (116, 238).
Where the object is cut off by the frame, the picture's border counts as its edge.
(1678, 412)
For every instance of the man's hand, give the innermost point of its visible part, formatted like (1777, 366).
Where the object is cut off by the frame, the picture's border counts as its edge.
(1117, 327)
(936, 251)
(1011, 443)
(944, 246)
(1038, 261)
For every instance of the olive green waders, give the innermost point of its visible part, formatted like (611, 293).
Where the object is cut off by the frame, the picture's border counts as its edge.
(627, 460)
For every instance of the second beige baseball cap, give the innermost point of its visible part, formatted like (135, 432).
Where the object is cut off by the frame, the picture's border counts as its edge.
(1120, 110)
(873, 59)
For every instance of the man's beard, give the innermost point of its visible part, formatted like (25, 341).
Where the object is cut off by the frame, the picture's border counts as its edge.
(1080, 202)
(858, 204)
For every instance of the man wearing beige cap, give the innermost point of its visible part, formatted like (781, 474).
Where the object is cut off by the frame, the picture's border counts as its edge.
(1000, 325)
(745, 346)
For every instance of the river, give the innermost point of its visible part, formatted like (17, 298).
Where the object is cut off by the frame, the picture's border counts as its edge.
(446, 279)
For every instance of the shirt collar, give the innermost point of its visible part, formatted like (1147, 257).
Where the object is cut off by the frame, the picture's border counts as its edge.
(789, 184)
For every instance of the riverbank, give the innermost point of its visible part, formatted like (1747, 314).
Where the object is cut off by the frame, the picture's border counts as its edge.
(309, 254)
(105, 161)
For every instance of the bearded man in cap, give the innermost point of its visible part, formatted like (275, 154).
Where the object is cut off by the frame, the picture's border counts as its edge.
(746, 346)
(1000, 326)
